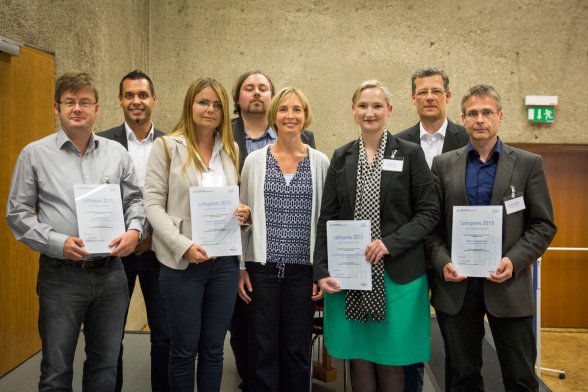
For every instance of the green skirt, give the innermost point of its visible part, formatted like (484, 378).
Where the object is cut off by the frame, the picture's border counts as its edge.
(403, 338)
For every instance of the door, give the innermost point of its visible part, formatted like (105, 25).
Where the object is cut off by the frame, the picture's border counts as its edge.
(565, 271)
(26, 96)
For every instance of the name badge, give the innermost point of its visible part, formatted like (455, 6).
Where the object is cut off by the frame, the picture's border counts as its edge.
(513, 205)
(394, 165)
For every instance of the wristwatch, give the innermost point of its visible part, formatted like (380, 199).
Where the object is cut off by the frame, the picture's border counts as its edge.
(140, 235)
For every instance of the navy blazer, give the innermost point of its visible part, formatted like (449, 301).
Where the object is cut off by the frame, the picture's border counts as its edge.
(455, 137)
(239, 136)
(119, 134)
(526, 234)
(409, 209)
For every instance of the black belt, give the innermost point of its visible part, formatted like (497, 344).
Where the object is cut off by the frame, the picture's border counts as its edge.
(85, 264)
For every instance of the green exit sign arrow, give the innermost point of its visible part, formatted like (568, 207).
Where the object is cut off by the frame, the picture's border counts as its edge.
(543, 114)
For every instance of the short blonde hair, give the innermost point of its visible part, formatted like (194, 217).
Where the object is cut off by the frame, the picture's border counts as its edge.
(372, 84)
(284, 93)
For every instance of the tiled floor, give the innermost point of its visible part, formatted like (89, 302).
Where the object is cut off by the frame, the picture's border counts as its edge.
(561, 349)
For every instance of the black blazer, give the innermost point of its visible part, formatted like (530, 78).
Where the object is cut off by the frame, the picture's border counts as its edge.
(455, 137)
(409, 209)
(239, 136)
(119, 134)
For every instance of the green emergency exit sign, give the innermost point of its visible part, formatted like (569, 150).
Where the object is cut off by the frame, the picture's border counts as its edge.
(543, 114)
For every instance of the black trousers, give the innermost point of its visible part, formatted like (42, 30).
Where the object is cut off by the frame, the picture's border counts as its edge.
(280, 319)
(146, 267)
(464, 333)
(240, 339)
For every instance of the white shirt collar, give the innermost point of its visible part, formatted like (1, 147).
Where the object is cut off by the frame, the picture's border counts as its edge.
(441, 131)
(131, 134)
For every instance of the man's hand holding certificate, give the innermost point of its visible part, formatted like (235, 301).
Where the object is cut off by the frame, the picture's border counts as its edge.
(100, 216)
(346, 246)
(476, 246)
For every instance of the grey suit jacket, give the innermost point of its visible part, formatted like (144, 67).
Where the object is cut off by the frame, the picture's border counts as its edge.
(239, 136)
(525, 234)
(455, 137)
(119, 134)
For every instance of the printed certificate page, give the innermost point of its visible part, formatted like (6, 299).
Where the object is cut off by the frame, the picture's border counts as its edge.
(100, 216)
(476, 245)
(346, 244)
(214, 224)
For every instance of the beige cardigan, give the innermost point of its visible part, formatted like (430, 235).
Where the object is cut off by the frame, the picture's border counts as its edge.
(167, 199)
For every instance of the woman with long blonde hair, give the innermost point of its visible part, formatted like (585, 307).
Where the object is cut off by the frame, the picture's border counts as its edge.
(198, 291)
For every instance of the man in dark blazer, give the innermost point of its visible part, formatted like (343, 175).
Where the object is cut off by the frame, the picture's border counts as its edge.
(137, 98)
(252, 94)
(489, 172)
(434, 132)
(436, 135)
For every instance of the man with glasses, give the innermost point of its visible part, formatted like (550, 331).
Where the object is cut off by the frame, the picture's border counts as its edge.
(75, 287)
(489, 172)
(252, 94)
(434, 132)
(436, 135)
(136, 97)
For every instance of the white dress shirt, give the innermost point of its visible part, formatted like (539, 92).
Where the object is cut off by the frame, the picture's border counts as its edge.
(432, 145)
(139, 151)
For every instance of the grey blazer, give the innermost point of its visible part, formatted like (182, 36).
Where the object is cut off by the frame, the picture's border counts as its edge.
(525, 235)
(455, 137)
(167, 199)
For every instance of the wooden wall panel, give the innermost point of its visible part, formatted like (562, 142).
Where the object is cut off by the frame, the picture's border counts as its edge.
(26, 96)
(565, 273)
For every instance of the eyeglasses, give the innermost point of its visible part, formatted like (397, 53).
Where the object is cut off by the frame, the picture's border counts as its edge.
(473, 114)
(425, 93)
(84, 103)
(205, 103)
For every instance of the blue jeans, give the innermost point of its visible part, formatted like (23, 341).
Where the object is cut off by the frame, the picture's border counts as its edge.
(198, 305)
(69, 296)
(280, 318)
(146, 267)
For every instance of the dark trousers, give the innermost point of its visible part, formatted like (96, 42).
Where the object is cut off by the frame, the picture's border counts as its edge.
(464, 334)
(70, 295)
(240, 339)
(280, 323)
(198, 305)
(413, 377)
(146, 267)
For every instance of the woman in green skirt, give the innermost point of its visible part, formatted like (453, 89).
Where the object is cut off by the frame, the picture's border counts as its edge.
(387, 181)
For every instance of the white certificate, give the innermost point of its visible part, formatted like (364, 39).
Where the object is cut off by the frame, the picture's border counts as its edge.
(100, 216)
(214, 224)
(476, 246)
(346, 244)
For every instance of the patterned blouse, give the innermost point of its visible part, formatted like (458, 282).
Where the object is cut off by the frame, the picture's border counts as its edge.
(288, 210)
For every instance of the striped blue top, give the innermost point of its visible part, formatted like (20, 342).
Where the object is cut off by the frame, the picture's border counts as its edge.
(288, 210)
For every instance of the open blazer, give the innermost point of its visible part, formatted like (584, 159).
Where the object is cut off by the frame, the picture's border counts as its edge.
(169, 212)
(408, 207)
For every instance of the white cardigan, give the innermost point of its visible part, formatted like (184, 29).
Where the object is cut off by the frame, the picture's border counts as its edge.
(252, 195)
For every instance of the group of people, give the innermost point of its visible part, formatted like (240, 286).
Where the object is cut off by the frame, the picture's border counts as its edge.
(406, 185)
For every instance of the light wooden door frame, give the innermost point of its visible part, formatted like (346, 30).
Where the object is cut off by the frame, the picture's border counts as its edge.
(26, 114)
(565, 273)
